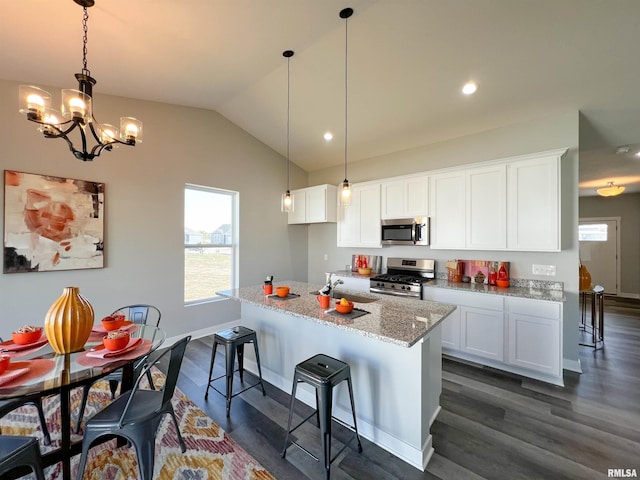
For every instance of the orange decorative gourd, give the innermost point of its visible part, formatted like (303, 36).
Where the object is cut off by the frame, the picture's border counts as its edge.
(69, 321)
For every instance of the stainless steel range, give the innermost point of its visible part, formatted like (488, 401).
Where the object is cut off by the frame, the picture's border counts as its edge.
(404, 277)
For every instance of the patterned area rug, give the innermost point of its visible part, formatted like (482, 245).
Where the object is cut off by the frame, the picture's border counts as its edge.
(211, 454)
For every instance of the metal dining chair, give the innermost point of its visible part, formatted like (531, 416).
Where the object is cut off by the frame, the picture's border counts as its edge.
(141, 314)
(7, 406)
(18, 452)
(136, 415)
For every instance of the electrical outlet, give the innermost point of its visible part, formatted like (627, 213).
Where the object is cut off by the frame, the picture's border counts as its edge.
(326, 256)
(548, 270)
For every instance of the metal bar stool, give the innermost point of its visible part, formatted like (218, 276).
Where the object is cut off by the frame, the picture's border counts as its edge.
(596, 295)
(324, 373)
(233, 340)
(20, 452)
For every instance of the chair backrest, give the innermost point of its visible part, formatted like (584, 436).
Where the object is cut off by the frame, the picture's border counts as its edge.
(176, 352)
(141, 314)
(175, 362)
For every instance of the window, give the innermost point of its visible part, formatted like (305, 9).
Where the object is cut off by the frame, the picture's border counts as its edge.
(592, 232)
(210, 242)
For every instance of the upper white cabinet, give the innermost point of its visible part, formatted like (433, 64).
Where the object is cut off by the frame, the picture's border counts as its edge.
(533, 212)
(486, 210)
(314, 205)
(405, 198)
(512, 204)
(448, 209)
(359, 223)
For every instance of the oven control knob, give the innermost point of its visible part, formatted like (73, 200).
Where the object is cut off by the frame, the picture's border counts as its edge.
(393, 285)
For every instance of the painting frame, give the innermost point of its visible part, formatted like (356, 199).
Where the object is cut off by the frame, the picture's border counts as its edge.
(52, 223)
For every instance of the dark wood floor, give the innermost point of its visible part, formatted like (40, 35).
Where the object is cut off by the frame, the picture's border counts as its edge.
(492, 425)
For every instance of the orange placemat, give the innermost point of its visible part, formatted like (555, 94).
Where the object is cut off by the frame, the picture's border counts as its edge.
(89, 361)
(35, 368)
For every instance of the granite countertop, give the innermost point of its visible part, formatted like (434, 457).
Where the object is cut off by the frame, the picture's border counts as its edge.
(534, 291)
(402, 321)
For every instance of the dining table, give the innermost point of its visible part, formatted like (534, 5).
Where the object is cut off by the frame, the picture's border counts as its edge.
(37, 371)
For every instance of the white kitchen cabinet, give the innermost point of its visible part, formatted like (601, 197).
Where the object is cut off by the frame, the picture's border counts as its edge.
(314, 205)
(482, 332)
(533, 194)
(405, 198)
(535, 335)
(486, 209)
(515, 334)
(359, 223)
(447, 206)
(451, 331)
(477, 325)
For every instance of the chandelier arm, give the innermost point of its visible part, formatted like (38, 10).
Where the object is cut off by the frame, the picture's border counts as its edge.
(97, 150)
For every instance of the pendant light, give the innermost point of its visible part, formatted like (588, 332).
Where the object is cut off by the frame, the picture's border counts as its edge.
(346, 188)
(287, 198)
(610, 191)
(77, 113)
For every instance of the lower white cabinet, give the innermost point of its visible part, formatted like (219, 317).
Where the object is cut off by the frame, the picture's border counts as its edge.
(476, 326)
(515, 334)
(482, 332)
(451, 331)
(535, 335)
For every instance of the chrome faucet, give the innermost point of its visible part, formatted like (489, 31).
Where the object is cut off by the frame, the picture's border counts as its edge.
(330, 285)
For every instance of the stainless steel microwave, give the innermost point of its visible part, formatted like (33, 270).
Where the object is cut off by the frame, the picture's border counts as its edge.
(405, 231)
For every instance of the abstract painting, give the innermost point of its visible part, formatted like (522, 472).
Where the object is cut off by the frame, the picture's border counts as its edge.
(52, 223)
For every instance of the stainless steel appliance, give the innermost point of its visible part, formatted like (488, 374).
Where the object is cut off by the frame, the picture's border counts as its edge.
(405, 231)
(404, 277)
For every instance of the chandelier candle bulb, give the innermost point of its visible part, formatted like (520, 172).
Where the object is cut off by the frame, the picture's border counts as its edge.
(33, 102)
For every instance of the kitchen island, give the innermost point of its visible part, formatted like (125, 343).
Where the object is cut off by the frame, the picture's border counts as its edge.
(394, 351)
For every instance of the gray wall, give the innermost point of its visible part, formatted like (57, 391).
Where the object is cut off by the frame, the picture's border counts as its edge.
(144, 210)
(546, 134)
(627, 207)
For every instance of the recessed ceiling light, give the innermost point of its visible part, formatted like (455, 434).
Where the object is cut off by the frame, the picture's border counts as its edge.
(469, 88)
(328, 136)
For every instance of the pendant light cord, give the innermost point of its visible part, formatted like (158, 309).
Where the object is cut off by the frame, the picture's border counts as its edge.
(346, 90)
(288, 54)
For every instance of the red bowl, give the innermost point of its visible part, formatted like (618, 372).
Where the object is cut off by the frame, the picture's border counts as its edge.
(344, 308)
(502, 283)
(27, 338)
(282, 291)
(117, 343)
(4, 363)
(112, 323)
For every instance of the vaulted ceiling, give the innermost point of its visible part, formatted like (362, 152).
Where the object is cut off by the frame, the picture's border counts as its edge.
(408, 60)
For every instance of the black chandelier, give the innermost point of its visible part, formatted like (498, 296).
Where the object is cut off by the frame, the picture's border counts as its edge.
(76, 111)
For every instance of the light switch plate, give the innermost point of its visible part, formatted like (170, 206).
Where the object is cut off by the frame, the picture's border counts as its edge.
(548, 270)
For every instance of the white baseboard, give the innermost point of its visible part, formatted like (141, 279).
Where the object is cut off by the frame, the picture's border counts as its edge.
(572, 365)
